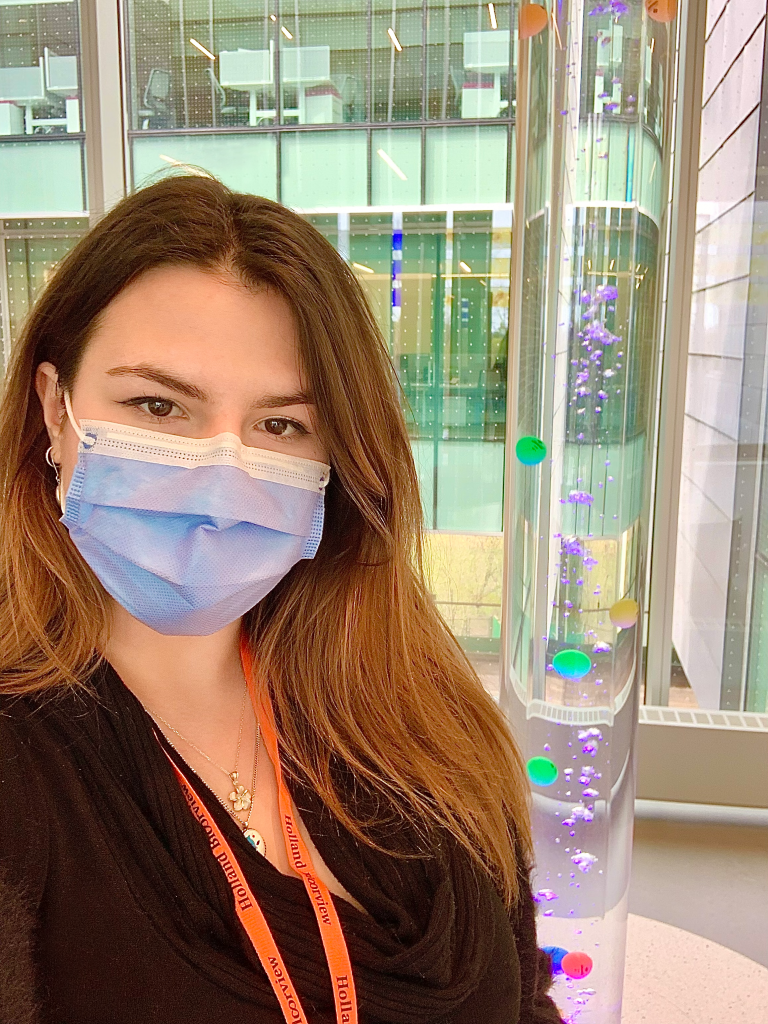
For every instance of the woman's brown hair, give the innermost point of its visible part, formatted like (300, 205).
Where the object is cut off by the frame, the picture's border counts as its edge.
(363, 671)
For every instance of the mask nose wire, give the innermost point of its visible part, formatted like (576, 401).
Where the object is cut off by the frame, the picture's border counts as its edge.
(87, 441)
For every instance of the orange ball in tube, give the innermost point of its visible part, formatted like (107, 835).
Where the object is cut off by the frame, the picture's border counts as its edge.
(532, 19)
(661, 10)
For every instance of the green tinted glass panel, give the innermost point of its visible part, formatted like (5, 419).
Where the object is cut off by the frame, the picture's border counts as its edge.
(33, 247)
(396, 167)
(41, 177)
(466, 165)
(244, 163)
(324, 169)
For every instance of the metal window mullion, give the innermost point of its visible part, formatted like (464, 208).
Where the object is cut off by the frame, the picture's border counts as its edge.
(369, 63)
(279, 166)
(509, 185)
(103, 107)
(674, 371)
(277, 71)
(423, 166)
(5, 300)
(513, 364)
(424, 15)
(369, 160)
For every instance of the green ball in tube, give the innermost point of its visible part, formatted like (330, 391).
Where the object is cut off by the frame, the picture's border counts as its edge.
(572, 664)
(530, 450)
(541, 771)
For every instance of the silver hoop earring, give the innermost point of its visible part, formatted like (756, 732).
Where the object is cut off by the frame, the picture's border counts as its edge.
(55, 467)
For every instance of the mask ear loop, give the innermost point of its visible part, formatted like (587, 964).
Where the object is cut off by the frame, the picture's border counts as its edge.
(83, 438)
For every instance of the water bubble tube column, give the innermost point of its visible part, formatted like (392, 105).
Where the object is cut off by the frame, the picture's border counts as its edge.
(593, 116)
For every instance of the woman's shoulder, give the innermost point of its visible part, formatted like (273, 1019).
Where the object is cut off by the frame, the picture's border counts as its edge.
(23, 859)
(23, 817)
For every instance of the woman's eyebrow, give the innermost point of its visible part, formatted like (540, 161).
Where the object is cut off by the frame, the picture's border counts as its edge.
(190, 390)
(161, 377)
(280, 401)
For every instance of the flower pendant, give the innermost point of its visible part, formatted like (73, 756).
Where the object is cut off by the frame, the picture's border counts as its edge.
(241, 798)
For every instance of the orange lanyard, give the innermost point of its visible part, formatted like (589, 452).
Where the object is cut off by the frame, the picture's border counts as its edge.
(247, 906)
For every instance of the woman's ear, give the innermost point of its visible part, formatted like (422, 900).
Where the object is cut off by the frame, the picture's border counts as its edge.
(52, 401)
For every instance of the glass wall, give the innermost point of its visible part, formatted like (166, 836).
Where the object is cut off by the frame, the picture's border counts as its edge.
(41, 116)
(595, 154)
(720, 624)
(393, 126)
(231, 88)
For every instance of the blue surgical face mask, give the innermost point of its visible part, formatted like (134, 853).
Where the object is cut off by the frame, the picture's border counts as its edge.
(188, 533)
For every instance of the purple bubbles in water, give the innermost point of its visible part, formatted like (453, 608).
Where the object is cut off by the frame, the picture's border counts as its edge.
(582, 813)
(606, 293)
(572, 546)
(583, 860)
(590, 562)
(611, 108)
(615, 7)
(591, 732)
(601, 647)
(580, 498)
(590, 740)
(586, 298)
(590, 794)
(545, 894)
(597, 331)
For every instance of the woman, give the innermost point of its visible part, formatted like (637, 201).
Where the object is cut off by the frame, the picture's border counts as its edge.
(246, 773)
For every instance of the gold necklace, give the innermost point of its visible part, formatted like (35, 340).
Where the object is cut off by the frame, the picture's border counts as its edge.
(241, 798)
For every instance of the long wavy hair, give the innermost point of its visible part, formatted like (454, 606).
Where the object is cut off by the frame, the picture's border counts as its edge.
(362, 669)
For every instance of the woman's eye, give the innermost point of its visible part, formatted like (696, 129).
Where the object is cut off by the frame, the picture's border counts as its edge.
(282, 427)
(160, 407)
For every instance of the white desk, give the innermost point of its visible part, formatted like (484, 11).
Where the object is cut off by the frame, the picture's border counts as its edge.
(23, 87)
(306, 67)
(248, 71)
(61, 79)
(485, 52)
(309, 69)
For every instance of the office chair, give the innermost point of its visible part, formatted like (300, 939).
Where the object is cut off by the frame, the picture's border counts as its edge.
(221, 95)
(157, 100)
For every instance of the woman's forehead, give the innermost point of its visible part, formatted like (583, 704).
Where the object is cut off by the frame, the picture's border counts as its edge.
(196, 324)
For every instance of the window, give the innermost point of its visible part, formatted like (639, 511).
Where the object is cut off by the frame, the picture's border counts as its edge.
(41, 115)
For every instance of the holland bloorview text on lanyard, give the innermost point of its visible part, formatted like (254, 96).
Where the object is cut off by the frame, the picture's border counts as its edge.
(247, 906)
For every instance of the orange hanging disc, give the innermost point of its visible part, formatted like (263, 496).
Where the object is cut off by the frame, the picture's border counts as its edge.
(531, 20)
(661, 10)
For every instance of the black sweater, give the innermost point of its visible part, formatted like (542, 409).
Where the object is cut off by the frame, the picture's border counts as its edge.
(113, 910)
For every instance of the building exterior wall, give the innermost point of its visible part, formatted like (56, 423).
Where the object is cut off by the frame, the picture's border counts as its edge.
(733, 75)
